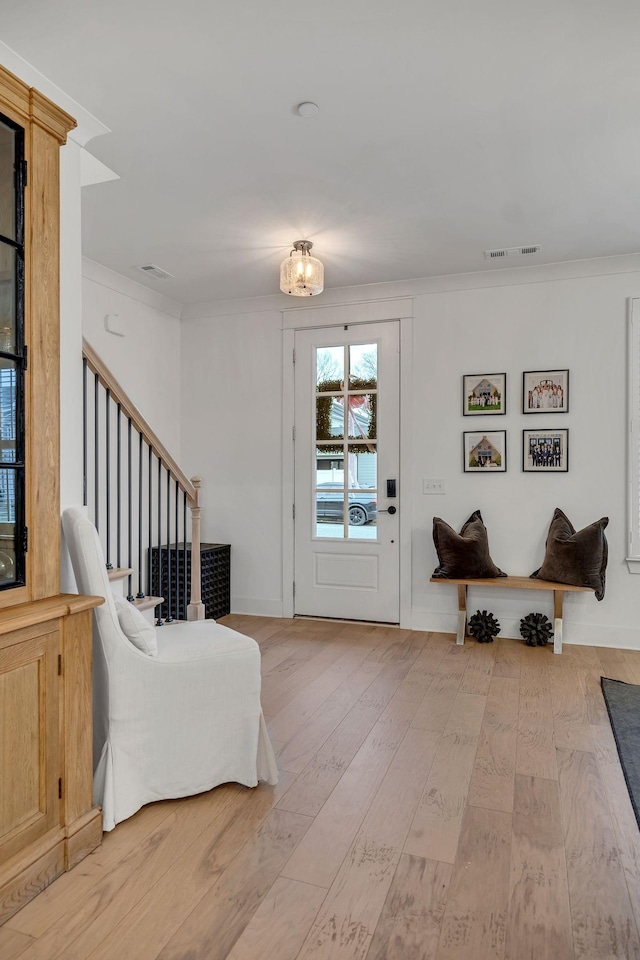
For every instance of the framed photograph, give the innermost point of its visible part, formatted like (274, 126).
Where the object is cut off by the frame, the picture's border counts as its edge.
(545, 391)
(545, 451)
(485, 452)
(484, 394)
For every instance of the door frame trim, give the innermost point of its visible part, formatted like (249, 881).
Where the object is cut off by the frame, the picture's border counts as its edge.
(340, 315)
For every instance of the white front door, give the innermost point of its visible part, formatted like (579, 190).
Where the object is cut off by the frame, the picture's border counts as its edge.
(346, 466)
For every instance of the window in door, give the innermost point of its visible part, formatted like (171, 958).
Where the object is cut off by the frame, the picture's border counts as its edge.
(346, 478)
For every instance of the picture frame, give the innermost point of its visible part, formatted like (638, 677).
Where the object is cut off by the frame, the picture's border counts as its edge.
(484, 451)
(545, 451)
(545, 391)
(484, 394)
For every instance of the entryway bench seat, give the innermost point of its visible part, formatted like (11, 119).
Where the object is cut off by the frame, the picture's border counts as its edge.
(516, 583)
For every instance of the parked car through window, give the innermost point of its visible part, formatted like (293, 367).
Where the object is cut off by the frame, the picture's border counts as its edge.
(363, 506)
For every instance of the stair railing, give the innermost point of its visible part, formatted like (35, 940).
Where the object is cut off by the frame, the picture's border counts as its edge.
(122, 454)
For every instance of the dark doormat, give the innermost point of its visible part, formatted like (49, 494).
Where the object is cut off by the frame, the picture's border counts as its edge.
(623, 704)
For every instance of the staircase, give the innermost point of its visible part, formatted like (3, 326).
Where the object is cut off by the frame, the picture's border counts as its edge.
(145, 509)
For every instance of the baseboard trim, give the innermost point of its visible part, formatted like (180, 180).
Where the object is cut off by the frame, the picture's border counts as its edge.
(84, 836)
(256, 606)
(580, 634)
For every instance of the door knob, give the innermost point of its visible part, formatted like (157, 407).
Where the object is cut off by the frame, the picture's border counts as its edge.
(390, 510)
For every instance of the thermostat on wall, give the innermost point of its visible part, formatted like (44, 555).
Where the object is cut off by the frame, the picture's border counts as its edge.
(114, 324)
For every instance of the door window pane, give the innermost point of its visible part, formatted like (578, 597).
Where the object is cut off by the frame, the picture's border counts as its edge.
(362, 467)
(363, 508)
(363, 366)
(329, 465)
(329, 368)
(7, 298)
(330, 497)
(7, 182)
(329, 418)
(362, 416)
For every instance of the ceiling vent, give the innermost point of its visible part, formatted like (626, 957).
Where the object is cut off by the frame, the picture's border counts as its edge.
(152, 271)
(511, 252)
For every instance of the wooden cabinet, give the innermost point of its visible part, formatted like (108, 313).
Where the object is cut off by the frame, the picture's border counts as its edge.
(47, 818)
(30, 748)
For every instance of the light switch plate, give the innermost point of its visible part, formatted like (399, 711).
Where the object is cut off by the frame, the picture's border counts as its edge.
(433, 485)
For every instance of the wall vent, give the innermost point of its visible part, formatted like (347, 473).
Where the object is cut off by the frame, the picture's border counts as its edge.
(153, 271)
(512, 252)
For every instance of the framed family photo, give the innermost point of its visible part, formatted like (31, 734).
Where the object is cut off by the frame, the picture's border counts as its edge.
(545, 391)
(545, 451)
(485, 451)
(484, 394)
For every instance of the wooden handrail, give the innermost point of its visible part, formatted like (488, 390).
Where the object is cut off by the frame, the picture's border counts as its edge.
(108, 381)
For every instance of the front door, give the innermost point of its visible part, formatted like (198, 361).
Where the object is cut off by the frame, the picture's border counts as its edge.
(346, 472)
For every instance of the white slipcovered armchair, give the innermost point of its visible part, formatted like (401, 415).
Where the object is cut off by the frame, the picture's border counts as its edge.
(169, 725)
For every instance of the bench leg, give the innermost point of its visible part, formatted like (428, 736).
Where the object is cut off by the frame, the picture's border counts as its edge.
(462, 613)
(558, 596)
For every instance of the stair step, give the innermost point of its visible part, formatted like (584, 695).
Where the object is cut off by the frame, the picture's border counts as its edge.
(119, 573)
(148, 603)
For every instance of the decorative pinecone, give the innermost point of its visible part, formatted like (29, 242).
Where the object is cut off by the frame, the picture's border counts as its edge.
(536, 629)
(483, 626)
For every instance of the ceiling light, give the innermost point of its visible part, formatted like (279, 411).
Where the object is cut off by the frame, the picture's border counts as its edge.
(301, 275)
(307, 109)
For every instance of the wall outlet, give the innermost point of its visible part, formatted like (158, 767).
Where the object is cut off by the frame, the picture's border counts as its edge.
(433, 486)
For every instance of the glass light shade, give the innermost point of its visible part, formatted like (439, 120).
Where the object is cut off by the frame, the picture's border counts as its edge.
(300, 274)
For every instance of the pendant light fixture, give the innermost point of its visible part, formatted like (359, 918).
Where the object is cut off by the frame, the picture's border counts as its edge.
(301, 275)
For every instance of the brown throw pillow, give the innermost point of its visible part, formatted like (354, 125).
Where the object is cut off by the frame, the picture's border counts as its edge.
(464, 555)
(578, 558)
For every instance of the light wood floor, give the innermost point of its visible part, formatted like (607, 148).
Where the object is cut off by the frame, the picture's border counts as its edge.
(455, 803)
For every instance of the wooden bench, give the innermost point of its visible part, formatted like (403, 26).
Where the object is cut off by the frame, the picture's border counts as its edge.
(516, 583)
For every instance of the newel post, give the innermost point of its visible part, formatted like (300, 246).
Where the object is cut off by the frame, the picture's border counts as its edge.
(195, 609)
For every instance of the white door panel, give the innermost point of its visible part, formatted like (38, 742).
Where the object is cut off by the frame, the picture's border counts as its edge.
(346, 448)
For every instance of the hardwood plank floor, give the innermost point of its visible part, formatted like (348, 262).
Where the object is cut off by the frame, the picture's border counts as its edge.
(409, 925)
(436, 802)
(475, 916)
(436, 826)
(493, 777)
(348, 917)
(601, 913)
(538, 894)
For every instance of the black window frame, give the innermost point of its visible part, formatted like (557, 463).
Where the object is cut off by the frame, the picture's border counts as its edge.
(18, 356)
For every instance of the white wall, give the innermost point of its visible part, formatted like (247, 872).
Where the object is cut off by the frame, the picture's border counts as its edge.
(579, 324)
(232, 438)
(146, 361)
(571, 315)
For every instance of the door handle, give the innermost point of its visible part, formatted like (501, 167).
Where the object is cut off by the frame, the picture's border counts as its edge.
(390, 510)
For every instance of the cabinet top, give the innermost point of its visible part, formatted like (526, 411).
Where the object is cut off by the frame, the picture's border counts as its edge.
(39, 611)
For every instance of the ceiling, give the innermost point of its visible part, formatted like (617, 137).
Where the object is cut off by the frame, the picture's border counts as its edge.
(444, 129)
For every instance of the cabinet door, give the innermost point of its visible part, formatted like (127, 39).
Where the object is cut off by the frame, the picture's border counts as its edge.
(29, 741)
